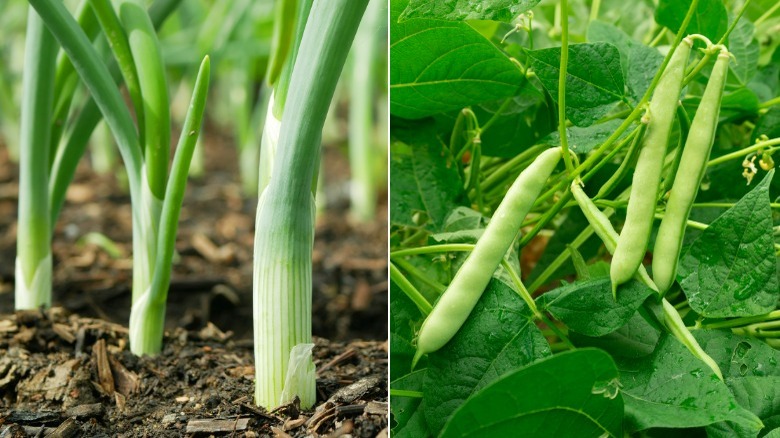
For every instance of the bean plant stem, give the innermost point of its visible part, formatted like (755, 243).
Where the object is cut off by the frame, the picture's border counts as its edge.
(562, 85)
(739, 322)
(419, 275)
(734, 22)
(770, 103)
(767, 14)
(408, 288)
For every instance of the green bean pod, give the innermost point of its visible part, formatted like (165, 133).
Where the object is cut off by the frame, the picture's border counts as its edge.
(456, 303)
(688, 177)
(603, 228)
(633, 239)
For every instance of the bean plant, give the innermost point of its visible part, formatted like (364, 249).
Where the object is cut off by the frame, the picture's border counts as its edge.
(584, 218)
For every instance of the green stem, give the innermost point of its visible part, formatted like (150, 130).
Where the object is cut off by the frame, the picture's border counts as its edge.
(562, 85)
(521, 290)
(742, 152)
(33, 252)
(433, 249)
(150, 69)
(738, 322)
(767, 14)
(770, 103)
(145, 335)
(362, 148)
(282, 84)
(408, 288)
(594, 10)
(733, 24)
(405, 393)
(419, 275)
(284, 240)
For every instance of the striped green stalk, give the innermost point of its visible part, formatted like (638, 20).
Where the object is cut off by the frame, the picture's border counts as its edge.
(362, 89)
(282, 59)
(285, 234)
(155, 210)
(33, 251)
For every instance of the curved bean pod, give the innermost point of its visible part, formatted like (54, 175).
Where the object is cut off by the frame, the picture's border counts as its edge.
(456, 303)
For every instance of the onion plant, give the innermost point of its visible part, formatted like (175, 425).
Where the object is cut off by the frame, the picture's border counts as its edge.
(285, 214)
(52, 142)
(362, 89)
(33, 250)
(155, 194)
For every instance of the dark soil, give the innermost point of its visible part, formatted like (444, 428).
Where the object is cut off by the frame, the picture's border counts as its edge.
(50, 364)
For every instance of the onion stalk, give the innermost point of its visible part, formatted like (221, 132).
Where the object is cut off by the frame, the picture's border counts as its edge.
(285, 216)
(156, 196)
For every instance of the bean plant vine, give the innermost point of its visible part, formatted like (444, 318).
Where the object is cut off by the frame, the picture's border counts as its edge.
(583, 218)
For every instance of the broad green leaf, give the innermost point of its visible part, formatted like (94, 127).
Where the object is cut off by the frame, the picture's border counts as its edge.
(415, 426)
(761, 396)
(594, 79)
(498, 10)
(518, 127)
(587, 307)
(752, 373)
(768, 124)
(739, 356)
(672, 388)
(745, 49)
(766, 82)
(404, 319)
(405, 409)
(441, 66)
(637, 338)
(739, 103)
(500, 336)
(709, 19)
(426, 184)
(572, 394)
(584, 140)
(639, 62)
(731, 269)
(775, 433)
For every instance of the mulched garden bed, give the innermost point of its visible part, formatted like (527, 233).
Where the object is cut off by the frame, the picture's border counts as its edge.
(67, 372)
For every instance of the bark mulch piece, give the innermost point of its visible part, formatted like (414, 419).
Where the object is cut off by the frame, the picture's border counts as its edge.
(62, 375)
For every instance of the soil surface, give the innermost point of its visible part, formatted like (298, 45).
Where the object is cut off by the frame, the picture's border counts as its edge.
(57, 367)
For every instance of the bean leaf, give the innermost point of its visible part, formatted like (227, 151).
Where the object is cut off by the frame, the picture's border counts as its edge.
(500, 336)
(447, 65)
(588, 307)
(709, 19)
(498, 10)
(427, 184)
(639, 62)
(570, 394)
(731, 268)
(594, 79)
(673, 388)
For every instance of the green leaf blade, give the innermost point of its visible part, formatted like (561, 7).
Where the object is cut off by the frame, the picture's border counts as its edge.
(594, 79)
(675, 389)
(588, 307)
(731, 269)
(498, 337)
(442, 66)
(710, 18)
(569, 394)
(498, 10)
